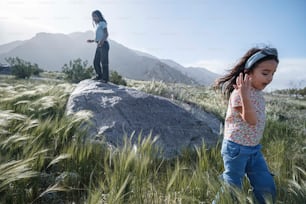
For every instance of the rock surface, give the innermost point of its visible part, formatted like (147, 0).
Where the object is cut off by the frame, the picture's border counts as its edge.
(119, 111)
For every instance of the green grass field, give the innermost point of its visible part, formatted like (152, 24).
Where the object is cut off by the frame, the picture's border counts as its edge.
(43, 158)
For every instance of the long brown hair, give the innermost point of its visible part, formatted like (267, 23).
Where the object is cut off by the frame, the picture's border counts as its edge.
(100, 16)
(227, 82)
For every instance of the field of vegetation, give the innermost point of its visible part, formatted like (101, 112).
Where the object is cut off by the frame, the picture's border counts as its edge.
(44, 159)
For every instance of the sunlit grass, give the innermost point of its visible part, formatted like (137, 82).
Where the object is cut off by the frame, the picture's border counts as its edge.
(45, 159)
(203, 97)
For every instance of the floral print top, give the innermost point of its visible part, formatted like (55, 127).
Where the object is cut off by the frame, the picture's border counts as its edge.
(239, 131)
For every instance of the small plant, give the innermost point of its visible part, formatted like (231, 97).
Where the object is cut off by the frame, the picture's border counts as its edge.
(23, 69)
(116, 78)
(77, 71)
(36, 70)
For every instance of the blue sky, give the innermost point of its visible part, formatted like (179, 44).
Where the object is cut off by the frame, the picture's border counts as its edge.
(207, 33)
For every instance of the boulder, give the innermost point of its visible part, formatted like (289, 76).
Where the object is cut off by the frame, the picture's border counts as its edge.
(119, 111)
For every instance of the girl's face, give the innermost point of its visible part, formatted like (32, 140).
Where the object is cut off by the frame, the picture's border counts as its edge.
(95, 18)
(262, 75)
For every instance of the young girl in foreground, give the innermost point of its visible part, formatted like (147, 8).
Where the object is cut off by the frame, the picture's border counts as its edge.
(245, 121)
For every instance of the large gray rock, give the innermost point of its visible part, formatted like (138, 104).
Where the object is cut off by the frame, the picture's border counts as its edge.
(119, 111)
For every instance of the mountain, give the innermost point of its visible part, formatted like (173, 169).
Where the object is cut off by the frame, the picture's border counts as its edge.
(9, 46)
(52, 50)
(201, 75)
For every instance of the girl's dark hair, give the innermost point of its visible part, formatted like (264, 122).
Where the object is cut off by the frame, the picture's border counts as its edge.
(99, 14)
(227, 82)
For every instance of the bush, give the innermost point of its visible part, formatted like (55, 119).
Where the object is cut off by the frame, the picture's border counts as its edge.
(117, 78)
(23, 69)
(77, 71)
(36, 70)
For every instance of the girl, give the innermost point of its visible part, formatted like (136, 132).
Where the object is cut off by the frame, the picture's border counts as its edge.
(101, 55)
(245, 121)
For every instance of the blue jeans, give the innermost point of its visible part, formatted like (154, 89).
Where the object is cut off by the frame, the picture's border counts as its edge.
(240, 160)
(101, 57)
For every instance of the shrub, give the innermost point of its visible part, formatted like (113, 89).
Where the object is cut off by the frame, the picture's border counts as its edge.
(36, 70)
(23, 69)
(77, 71)
(116, 78)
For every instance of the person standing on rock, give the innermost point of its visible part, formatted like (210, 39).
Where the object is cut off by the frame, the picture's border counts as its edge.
(101, 54)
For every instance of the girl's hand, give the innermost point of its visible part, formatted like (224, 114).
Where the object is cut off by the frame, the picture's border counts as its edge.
(100, 44)
(246, 110)
(243, 85)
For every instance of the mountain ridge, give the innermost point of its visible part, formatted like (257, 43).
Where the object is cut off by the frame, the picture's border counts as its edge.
(52, 50)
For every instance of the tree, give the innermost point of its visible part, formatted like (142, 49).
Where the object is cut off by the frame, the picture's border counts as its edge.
(21, 68)
(77, 71)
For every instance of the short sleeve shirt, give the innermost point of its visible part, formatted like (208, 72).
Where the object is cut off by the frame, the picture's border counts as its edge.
(238, 130)
(100, 30)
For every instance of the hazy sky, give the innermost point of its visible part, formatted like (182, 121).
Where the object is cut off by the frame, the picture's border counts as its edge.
(208, 33)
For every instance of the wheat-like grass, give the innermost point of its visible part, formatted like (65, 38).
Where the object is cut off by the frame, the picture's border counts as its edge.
(45, 158)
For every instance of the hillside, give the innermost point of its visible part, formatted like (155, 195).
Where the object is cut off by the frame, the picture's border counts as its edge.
(52, 50)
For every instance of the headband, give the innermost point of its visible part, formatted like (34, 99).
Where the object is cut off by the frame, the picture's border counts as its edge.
(259, 55)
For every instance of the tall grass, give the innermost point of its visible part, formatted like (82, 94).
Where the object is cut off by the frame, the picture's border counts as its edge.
(203, 97)
(45, 159)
